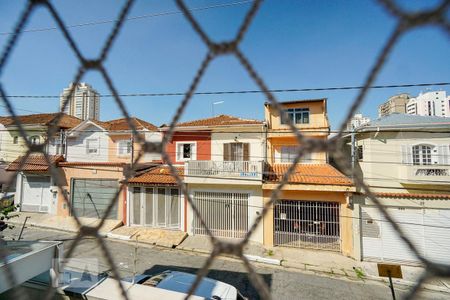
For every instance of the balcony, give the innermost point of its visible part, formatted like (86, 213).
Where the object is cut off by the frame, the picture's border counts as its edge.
(434, 174)
(236, 172)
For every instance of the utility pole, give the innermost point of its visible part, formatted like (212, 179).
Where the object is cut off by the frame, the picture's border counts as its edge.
(132, 150)
(353, 151)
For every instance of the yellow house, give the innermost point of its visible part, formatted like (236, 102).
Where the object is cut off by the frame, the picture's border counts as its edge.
(313, 209)
(13, 145)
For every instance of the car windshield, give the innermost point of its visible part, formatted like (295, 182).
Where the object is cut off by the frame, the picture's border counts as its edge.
(154, 280)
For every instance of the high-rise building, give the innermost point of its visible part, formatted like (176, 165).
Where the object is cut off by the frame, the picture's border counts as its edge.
(433, 103)
(395, 104)
(356, 121)
(84, 102)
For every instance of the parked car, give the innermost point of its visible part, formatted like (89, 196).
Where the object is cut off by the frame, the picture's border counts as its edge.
(182, 281)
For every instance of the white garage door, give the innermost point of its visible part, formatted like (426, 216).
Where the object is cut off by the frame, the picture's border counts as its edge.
(225, 214)
(36, 195)
(428, 229)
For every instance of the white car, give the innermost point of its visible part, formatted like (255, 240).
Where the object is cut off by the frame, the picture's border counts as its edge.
(181, 282)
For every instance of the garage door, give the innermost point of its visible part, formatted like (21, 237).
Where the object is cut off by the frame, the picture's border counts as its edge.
(36, 195)
(427, 229)
(307, 224)
(91, 197)
(225, 214)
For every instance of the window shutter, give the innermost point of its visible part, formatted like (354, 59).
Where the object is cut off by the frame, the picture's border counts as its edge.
(226, 152)
(246, 151)
(406, 154)
(444, 155)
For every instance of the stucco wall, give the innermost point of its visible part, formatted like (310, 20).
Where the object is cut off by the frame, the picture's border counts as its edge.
(203, 140)
(275, 144)
(9, 150)
(382, 164)
(254, 139)
(147, 157)
(77, 145)
(316, 112)
(85, 172)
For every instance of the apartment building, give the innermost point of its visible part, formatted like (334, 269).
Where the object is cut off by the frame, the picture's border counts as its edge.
(395, 104)
(433, 103)
(84, 102)
(356, 121)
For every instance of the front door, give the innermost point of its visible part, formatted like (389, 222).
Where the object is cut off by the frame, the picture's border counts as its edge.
(156, 207)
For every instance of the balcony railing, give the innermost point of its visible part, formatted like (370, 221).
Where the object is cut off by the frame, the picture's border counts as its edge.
(225, 169)
(424, 173)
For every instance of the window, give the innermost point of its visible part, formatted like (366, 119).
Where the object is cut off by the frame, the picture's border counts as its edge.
(296, 115)
(56, 143)
(236, 152)
(288, 154)
(186, 151)
(422, 154)
(15, 140)
(34, 140)
(92, 146)
(124, 147)
(359, 152)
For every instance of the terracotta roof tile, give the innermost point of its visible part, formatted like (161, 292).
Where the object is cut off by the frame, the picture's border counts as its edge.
(66, 121)
(122, 124)
(222, 120)
(309, 174)
(408, 195)
(91, 163)
(160, 175)
(34, 163)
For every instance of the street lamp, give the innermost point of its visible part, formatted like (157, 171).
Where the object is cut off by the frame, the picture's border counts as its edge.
(215, 103)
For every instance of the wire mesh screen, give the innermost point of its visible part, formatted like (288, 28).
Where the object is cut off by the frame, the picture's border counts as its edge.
(405, 22)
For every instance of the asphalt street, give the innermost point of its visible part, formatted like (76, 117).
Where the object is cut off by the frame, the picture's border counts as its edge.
(283, 283)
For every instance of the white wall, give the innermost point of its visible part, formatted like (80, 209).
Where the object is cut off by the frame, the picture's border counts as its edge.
(3, 139)
(155, 137)
(383, 157)
(77, 145)
(439, 104)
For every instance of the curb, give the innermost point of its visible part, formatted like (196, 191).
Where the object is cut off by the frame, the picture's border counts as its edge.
(260, 259)
(31, 224)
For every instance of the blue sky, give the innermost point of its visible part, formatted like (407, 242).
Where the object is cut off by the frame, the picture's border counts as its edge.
(291, 43)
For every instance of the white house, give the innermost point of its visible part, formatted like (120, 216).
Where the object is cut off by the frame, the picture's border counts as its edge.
(405, 160)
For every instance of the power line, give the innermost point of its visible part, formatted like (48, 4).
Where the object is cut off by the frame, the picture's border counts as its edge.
(134, 18)
(265, 173)
(289, 90)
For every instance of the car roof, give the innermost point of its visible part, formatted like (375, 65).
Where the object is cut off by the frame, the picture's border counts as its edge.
(182, 281)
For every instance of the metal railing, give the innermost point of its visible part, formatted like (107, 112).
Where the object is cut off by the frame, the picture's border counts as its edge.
(225, 169)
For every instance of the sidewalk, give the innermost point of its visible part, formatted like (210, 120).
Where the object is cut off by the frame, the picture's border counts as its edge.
(62, 223)
(111, 228)
(322, 262)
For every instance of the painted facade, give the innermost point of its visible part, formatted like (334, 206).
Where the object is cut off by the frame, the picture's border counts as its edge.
(415, 191)
(314, 209)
